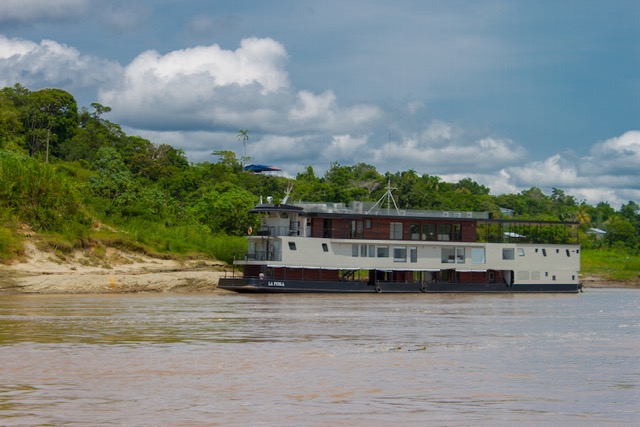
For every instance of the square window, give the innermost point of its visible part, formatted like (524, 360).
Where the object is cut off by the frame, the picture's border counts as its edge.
(428, 232)
(292, 246)
(448, 255)
(383, 251)
(477, 256)
(400, 254)
(508, 253)
(521, 251)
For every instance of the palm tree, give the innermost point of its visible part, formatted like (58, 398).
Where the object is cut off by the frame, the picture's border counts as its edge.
(243, 135)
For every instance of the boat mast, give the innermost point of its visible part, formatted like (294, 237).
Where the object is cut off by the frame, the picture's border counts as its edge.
(388, 194)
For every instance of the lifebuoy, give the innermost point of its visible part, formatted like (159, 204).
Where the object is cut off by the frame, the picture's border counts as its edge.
(250, 231)
(423, 288)
(379, 289)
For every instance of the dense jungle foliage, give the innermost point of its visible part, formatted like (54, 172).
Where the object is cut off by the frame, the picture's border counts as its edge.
(74, 176)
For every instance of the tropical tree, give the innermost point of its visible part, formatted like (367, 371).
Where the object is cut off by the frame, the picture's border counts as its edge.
(243, 135)
(51, 118)
(10, 124)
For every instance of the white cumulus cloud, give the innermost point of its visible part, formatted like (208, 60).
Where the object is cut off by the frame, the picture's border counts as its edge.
(443, 148)
(203, 84)
(50, 63)
(619, 155)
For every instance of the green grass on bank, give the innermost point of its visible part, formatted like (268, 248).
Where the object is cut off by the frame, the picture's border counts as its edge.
(611, 264)
(139, 237)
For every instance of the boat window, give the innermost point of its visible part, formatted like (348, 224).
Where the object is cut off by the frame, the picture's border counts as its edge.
(568, 253)
(372, 251)
(448, 255)
(544, 252)
(395, 231)
(428, 231)
(413, 254)
(356, 230)
(325, 247)
(363, 250)
(477, 256)
(292, 246)
(327, 228)
(368, 223)
(508, 253)
(415, 231)
(521, 251)
(444, 232)
(457, 232)
(383, 251)
(460, 255)
(354, 250)
(400, 254)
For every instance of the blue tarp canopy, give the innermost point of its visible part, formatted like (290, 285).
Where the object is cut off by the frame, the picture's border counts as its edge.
(261, 168)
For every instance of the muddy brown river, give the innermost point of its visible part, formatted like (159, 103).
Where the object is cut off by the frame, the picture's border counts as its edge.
(225, 359)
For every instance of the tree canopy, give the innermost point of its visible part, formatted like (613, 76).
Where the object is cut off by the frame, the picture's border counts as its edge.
(103, 172)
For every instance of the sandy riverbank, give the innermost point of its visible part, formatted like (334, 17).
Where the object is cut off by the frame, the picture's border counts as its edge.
(113, 272)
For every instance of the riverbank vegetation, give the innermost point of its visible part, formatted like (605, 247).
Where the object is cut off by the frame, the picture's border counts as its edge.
(77, 180)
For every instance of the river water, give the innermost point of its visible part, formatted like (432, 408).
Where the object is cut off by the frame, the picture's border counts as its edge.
(225, 359)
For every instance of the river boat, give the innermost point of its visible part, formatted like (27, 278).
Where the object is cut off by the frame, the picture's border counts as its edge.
(366, 248)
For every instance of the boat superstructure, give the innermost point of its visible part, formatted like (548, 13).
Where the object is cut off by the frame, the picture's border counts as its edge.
(362, 247)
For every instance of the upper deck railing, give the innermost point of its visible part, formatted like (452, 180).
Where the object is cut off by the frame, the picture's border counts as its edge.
(366, 208)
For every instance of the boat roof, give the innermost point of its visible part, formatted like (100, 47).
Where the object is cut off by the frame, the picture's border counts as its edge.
(275, 207)
(370, 209)
(364, 209)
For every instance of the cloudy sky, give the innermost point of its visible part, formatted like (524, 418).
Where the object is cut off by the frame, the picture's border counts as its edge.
(511, 93)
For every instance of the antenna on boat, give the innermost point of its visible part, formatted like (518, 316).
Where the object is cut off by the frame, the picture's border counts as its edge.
(389, 193)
